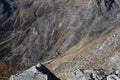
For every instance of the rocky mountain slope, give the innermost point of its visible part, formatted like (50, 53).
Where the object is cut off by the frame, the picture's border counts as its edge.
(105, 55)
(39, 72)
(72, 33)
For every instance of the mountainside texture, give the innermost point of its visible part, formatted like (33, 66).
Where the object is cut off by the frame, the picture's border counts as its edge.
(64, 35)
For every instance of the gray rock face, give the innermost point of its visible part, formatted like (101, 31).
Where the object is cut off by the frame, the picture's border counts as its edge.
(98, 74)
(113, 77)
(79, 75)
(34, 73)
(112, 62)
(38, 30)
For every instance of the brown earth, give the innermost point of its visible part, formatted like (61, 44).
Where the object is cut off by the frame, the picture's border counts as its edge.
(6, 71)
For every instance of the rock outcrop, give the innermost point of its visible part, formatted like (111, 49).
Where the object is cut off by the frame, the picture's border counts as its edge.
(98, 74)
(33, 30)
(38, 72)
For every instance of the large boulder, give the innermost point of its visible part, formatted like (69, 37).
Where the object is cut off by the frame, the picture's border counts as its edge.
(38, 72)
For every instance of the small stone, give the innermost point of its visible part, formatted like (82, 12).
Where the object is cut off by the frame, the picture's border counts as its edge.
(38, 65)
(113, 77)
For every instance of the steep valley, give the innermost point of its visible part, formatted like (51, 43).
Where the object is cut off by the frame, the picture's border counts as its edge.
(64, 35)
